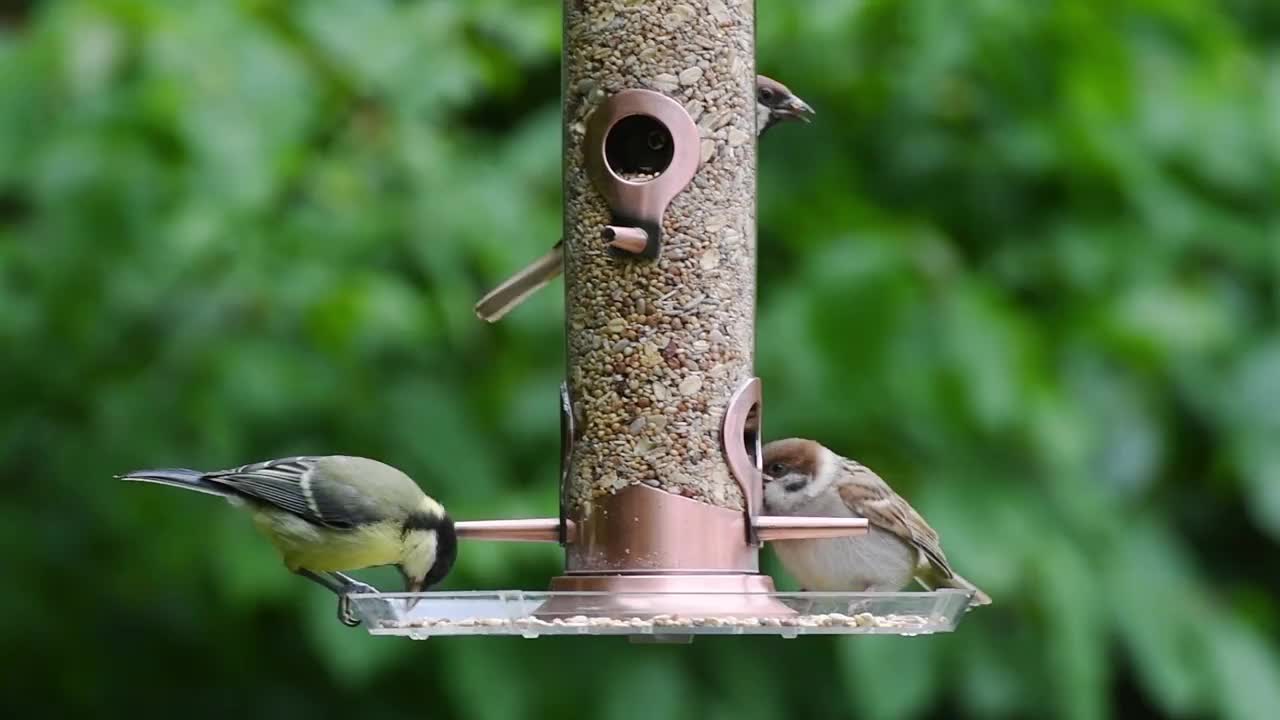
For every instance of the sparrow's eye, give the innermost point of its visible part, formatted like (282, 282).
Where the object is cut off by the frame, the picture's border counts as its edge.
(766, 93)
(776, 469)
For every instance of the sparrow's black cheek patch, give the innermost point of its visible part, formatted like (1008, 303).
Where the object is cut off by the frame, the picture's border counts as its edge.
(796, 485)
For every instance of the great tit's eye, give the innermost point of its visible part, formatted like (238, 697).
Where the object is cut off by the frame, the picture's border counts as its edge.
(776, 469)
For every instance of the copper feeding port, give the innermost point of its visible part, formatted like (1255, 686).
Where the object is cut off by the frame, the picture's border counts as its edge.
(640, 149)
(629, 239)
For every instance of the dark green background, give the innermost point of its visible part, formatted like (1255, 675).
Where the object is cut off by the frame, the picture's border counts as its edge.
(1026, 264)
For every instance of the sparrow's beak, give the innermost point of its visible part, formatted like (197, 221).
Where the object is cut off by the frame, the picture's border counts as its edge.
(798, 109)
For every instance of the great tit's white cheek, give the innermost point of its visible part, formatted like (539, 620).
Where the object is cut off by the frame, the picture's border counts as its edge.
(419, 554)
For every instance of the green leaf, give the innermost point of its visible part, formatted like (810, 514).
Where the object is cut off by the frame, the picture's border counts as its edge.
(1157, 612)
(1075, 638)
(888, 678)
(1246, 671)
(353, 656)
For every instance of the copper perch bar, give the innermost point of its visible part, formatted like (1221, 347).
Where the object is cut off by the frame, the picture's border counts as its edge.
(526, 530)
(632, 239)
(769, 527)
(779, 527)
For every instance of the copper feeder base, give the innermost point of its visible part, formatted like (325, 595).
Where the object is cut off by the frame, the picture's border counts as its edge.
(644, 596)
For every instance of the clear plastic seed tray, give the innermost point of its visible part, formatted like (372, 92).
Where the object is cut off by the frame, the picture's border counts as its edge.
(534, 614)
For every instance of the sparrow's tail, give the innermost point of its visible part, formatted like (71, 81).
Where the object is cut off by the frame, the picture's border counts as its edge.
(979, 597)
(513, 291)
(179, 478)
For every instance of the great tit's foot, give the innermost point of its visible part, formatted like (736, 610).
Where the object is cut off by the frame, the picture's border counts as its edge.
(355, 587)
(324, 580)
(346, 615)
(350, 582)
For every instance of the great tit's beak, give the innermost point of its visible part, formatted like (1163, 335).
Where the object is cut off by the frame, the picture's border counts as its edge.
(413, 585)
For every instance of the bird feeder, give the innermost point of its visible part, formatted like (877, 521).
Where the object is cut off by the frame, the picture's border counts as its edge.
(660, 412)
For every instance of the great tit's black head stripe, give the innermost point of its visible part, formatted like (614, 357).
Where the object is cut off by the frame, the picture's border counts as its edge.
(446, 552)
(425, 521)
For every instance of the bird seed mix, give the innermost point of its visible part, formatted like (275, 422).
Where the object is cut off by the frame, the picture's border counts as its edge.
(655, 349)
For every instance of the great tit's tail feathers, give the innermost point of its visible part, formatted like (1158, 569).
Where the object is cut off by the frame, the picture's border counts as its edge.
(179, 478)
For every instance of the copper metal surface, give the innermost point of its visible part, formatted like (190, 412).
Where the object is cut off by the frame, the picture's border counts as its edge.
(741, 426)
(640, 529)
(781, 527)
(527, 530)
(631, 239)
(768, 527)
(729, 594)
(641, 203)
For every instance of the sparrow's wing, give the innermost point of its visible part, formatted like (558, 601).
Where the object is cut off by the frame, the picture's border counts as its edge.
(286, 484)
(870, 497)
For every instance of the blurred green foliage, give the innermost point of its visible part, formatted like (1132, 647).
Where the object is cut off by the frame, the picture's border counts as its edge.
(1026, 264)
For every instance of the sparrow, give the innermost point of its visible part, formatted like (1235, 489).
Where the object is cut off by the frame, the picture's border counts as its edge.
(801, 477)
(330, 514)
(774, 103)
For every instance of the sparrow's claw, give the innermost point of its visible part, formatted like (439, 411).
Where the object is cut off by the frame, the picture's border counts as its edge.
(859, 607)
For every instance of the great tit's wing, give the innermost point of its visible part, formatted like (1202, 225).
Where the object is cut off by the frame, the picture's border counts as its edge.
(295, 485)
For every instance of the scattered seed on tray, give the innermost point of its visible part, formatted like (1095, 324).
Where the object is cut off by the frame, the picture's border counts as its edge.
(534, 624)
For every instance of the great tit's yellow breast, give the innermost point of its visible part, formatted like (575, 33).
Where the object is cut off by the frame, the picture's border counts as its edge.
(321, 549)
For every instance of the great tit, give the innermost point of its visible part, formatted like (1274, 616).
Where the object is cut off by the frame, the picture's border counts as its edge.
(334, 513)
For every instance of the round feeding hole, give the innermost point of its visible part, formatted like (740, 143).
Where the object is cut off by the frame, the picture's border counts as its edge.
(638, 148)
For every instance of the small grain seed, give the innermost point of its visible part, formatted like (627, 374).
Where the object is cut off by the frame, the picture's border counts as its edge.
(690, 385)
(665, 82)
(710, 259)
(706, 150)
